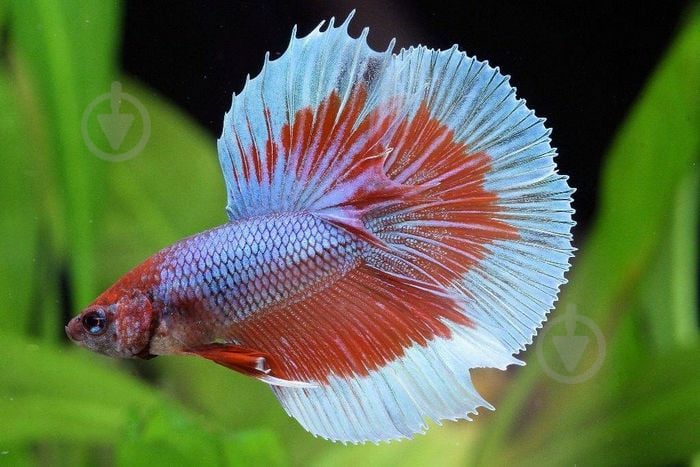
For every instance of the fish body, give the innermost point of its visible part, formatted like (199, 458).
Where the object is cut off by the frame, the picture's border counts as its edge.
(394, 221)
(221, 277)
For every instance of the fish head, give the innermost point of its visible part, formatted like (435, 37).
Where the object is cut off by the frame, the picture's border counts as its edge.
(117, 328)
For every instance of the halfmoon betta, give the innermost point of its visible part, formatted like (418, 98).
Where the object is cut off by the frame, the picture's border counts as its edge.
(395, 219)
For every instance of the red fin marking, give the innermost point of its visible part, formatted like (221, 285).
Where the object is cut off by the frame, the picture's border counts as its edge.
(357, 324)
(407, 183)
(342, 163)
(445, 230)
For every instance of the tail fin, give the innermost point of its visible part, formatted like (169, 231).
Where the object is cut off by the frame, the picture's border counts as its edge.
(428, 156)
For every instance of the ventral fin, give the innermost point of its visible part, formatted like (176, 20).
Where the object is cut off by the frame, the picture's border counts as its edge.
(247, 361)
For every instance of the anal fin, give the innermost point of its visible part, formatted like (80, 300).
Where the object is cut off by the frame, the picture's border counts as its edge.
(247, 361)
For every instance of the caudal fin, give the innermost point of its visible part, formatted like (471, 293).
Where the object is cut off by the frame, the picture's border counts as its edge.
(430, 158)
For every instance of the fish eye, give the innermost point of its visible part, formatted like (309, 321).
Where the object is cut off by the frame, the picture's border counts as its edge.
(95, 322)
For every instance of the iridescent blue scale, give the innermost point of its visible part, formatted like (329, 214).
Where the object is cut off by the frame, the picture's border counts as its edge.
(244, 266)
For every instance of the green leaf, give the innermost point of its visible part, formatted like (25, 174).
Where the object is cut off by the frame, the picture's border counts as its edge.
(668, 292)
(653, 420)
(50, 393)
(165, 437)
(684, 253)
(3, 19)
(69, 49)
(74, 398)
(253, 448)
(15, 454)
(19, 220)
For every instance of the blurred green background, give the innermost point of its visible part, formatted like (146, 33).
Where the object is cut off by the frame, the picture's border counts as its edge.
(71, 223)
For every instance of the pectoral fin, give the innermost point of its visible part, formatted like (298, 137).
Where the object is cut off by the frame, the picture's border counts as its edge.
(247, 361)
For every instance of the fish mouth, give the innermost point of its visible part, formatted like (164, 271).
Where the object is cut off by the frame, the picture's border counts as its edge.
(73, 330)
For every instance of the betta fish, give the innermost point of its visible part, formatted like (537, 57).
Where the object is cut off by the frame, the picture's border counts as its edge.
(394, 220)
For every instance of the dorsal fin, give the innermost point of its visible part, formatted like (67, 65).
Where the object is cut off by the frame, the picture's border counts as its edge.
(306, 133)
